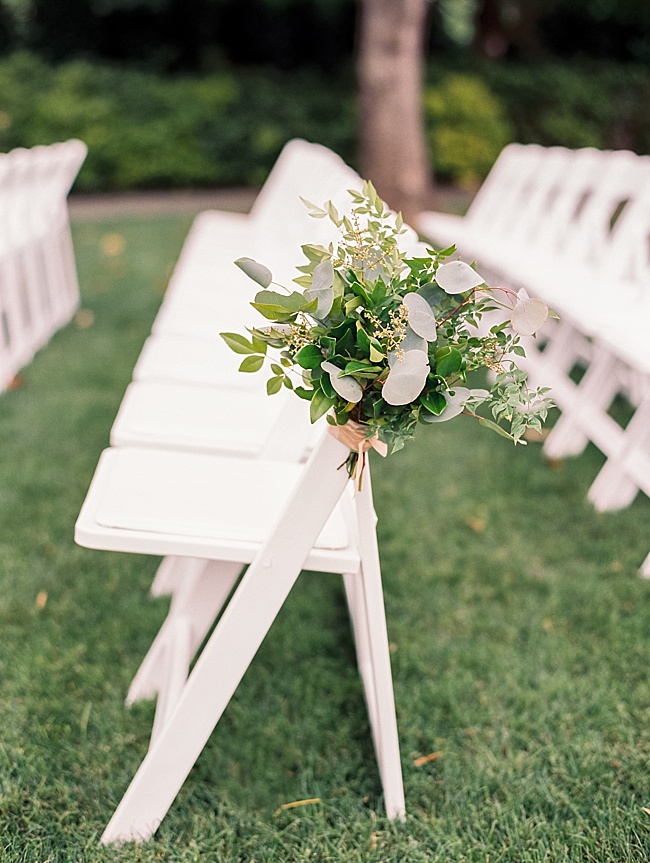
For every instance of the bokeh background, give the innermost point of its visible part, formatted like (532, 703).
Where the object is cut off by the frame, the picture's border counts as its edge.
(204, 93)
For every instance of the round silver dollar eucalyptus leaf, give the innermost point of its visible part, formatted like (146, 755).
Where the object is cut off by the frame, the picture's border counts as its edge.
(528, 314)
(347, 387)
(420, 317)
(410, 342)
(456, 277)
(406, 379)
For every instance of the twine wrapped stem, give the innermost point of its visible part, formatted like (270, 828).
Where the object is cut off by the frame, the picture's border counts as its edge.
(355, 436)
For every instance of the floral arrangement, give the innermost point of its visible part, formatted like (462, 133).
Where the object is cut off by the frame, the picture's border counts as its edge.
(380, 339)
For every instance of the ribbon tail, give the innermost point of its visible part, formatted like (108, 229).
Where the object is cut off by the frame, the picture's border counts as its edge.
(379, 446)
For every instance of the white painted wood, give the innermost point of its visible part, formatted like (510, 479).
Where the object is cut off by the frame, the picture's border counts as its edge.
(38, 282)
(206, 471)
(158, 493)
(581, 241)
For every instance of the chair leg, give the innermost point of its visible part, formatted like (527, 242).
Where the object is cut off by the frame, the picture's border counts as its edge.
(200, 590)
(594, 394)
(355, 601)
(167, 575)
(645, 568)
(623, 474)
(366, 602)
(231, 647)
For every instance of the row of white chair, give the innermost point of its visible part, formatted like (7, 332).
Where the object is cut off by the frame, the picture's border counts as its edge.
(38, 282)
(209, 472)
(573, 227)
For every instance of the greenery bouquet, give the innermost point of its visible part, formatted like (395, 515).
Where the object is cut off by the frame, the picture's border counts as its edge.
(381, 338)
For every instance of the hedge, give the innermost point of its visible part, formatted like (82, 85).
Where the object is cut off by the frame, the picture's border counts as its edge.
(227, 128)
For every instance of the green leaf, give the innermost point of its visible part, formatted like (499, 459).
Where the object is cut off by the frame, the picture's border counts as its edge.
(328, 344)
(259, 345)
(293, 302)
(448, 361)
(255, 271)
(376, 355)
(495, 428)
(320, 404)
(304, 393)
(239, 344)
(314, 211)
(274, 313)
(251, 364)
(379, 292)
(274, 385)
(363, 339)
(309, 357)
(434, 402)
(325, 384)
(360, 367)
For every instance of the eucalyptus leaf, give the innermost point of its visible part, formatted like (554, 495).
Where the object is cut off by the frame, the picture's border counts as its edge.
(488, 424)
(239, 344)
(420, 317)
(293, 302)
(274, 385)
(251, 364)
(406, 379)
(347, 387)
(411, 342)
(322, 289)
(528, 316)
(255, 271)
(457, 277)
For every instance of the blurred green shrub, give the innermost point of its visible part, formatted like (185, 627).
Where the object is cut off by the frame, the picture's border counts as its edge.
(588, 105)
(227, 128)
(147, 131)
(466, 126)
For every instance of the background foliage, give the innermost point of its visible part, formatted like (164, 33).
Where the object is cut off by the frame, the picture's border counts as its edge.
(181, 93)
(227, 127)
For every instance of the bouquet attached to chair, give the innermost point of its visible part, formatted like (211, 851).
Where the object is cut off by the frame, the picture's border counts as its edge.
(383, 334)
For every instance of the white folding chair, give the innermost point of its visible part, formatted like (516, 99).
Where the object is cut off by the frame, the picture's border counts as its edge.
(38, 281)
(228, 513)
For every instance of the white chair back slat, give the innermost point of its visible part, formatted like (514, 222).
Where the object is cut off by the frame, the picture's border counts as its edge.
(508, 175)
(567, 203)
(38, 280)
(517, 186)
(539, 196)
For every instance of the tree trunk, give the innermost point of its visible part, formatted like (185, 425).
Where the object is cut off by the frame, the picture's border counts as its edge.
(390, 68)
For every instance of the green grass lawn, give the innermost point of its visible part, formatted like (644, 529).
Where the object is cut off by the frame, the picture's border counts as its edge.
(520, 632)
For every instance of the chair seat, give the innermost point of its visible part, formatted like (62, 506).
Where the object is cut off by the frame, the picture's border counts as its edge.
(196, 418)
(175, 503)
(204, 316)
(193, 359)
